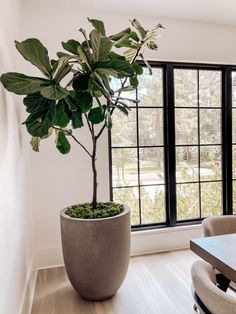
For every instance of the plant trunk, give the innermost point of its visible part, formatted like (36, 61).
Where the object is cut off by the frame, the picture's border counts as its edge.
(95, 183)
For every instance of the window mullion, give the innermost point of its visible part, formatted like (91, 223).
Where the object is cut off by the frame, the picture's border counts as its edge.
(227, 139)
(169, 130)
(199, 146)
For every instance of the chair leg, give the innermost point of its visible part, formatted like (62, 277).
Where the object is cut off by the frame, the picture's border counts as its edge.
(222, 282)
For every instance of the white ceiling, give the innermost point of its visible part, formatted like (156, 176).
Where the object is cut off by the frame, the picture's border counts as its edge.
(209, 11)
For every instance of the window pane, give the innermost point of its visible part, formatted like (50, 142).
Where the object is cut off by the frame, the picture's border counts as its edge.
(186, 123)
(234, 89)
(211, 199)
(153, 204)
(129, 197)
(150, 89)
(187, 201)
(124, 129)
(124, 167)
(185, 88)
(210, 126)
(187, 164)
(234, 197)
(210, 157)
(150, 127)
(234, 162)
(234, 125)
(151, 162)
(209, 88)
(117, 84)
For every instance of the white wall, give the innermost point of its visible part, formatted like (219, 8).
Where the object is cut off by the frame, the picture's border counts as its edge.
(16, 252)
(62, 180)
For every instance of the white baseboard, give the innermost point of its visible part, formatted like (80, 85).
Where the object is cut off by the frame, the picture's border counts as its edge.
(28, 294)
(142, 242)
(166, 239)
(48, 257)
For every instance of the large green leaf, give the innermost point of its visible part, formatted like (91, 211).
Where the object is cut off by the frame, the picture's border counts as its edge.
(54, 92)
(38, 124)
(76, 119)
(120, 66)
(146, 63)
(94, 88)
(61, 118)
(152, 45)
(83, 100)
(61, 68)
(36, 103)
(134, 81)
(127, 88)
(74, 111)
(22, 84)
(138, 69)
(70, 102)
(95, 41)
(101, 46)
(122, 107)
(134, 36)
(109, 72)
(119, 35)
(98, 25)
(106, 83)
(83, 56)
(139, 27)
(108, 120)
(62, 54)
(62, 143)
(80, 82)
(35, 143)
(101, 82)
(124, 41)
(62, 72)
(105, 48)
(114, 56)
(71, 46)
(34, 52)
(130, 54)
(97, 115)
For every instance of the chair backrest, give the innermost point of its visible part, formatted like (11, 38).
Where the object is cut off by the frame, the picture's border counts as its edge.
(204, 283)
(218, 225)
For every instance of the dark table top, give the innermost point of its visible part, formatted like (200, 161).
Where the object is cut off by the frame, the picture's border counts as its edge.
(219, 251)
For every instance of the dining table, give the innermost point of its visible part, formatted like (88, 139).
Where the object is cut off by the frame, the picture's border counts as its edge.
(220, 252)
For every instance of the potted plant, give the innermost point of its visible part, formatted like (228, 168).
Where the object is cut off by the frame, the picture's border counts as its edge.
(77, 91)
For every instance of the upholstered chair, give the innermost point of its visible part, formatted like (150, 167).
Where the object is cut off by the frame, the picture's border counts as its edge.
(219, 225)
(209, 299)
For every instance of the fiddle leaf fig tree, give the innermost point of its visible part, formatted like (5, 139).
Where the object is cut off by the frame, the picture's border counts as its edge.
(75, 89)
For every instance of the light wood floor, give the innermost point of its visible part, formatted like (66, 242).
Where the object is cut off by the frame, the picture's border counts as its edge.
(155, 284)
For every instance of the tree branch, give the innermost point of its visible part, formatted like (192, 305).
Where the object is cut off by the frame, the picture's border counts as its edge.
(98, 101)
(74, 138)
(89, 125)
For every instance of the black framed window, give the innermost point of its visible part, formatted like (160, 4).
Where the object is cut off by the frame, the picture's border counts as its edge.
(171, 159)
(198, 142)
(138, 175)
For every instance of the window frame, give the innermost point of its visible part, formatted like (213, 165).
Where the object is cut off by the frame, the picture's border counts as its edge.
(170, 145)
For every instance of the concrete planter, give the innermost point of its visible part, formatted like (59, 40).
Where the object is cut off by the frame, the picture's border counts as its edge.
(96, 253)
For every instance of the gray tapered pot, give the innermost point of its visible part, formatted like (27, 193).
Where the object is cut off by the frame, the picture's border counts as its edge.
(96, 253)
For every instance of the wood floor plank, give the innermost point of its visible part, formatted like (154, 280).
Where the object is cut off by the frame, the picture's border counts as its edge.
(155, 284)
